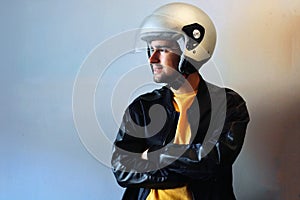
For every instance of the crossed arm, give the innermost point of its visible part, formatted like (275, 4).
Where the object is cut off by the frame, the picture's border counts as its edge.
(175, 165)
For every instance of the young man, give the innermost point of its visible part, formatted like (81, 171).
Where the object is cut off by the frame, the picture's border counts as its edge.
(180, 141)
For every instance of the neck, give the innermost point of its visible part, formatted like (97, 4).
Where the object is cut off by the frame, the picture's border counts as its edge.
(190, 84)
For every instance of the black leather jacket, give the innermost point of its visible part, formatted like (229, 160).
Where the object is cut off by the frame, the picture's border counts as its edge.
(218, 123)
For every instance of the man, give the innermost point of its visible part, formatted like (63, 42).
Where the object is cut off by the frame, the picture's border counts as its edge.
(180, 141)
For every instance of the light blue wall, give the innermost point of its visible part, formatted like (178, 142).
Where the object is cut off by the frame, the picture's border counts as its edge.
(44, 43)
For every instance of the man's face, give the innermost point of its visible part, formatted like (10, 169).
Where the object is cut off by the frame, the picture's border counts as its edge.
(164, 60)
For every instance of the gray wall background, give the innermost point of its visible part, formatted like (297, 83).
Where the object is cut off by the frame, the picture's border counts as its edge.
(44, 43)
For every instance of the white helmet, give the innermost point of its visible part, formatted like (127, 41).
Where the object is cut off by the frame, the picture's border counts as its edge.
(183, 21)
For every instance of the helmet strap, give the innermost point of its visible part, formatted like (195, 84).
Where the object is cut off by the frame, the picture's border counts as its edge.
(186, 68)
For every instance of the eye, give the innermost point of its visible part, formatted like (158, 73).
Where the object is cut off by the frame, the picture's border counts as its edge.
(163, 50)
(160, 49)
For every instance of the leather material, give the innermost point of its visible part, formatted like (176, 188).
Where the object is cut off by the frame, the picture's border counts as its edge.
(207, 174)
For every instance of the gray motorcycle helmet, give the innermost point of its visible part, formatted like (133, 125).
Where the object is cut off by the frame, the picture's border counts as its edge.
(187, 24)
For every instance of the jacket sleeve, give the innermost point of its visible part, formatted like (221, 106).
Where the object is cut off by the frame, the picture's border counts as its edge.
(129, 168)
(194, 162)
(182, 162)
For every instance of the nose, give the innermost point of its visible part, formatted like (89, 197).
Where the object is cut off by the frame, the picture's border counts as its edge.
(154, 57)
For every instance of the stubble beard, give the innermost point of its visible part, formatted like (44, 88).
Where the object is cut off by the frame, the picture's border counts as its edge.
(166, 78)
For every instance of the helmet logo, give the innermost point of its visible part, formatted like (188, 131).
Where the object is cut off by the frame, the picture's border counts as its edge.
(195, 33)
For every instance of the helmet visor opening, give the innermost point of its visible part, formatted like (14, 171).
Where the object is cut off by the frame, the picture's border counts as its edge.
(146, 37)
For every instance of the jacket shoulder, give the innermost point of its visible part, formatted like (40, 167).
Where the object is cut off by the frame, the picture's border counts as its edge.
(139, 108)
(151, 96)
(230, 93)
(236, 103)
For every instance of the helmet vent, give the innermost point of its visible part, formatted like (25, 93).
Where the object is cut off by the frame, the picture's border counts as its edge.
(195, 32)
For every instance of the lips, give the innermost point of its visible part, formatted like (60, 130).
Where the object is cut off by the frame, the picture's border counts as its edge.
(156, 69)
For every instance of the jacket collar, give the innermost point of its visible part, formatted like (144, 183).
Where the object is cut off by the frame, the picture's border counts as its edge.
(165, 94)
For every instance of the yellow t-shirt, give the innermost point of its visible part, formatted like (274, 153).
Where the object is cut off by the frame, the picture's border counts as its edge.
(183, 135)
(181, 193)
